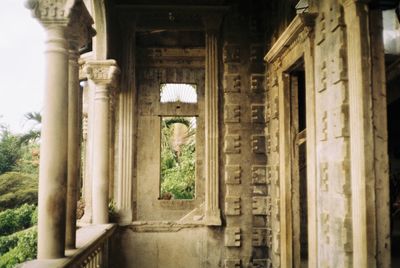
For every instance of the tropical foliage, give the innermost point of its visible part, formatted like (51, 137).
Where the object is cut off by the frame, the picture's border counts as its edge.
(178, 164)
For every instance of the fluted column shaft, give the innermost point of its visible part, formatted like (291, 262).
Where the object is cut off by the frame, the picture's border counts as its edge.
(53, 148)
(212, 210)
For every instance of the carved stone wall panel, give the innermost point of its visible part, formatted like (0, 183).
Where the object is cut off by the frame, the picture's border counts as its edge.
(257, 85)
(232, 83)
(258, 144)
(259, 190)
(232, 263)
(260, 205)
(232, 206)
(324, 177)
(232, 144)
(259, 237)
(231, 53)
(258, 113)
(232, 237)
(233, 174)
(323, 126)
(341, 174)
(320, 28)
(258, 174)
(341, 121)
(256, 53)
(232, 113)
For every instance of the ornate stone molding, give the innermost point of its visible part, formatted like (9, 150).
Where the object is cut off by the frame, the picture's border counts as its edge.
(291, 36)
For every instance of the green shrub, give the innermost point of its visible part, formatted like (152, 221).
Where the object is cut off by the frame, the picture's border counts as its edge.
(12, 220)
(25, 249)
(17, 189)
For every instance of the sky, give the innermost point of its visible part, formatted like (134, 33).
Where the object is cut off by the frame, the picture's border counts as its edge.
(21, 66)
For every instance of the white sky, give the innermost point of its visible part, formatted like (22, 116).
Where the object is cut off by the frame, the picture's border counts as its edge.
(21, 64)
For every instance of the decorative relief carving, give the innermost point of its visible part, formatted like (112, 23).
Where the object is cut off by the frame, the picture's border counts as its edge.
(324, 183)
(272, 174)
(232, 263)
(341, 173)
(275, 142)
(323, 77)
(232, 144)
(260, 205)
(50, 10)
(321, 29)
(274, 106)
(259, 237)
(102, 72)
(232, 83)
(233, 174)
(232, 237)
(258, 144)
(276, 242)
(340, 121)
(257, 113)
(232, 206)
(258, 174)
(342, 231)
(323, 129)
(256, 53)
(259, 190)
(257, 83)
(336, 16)
(232, 113)
(269, 238)
(231, 54)
(325, 227)
(339, 59)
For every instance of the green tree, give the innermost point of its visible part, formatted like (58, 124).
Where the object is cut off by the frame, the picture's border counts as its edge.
(10, 150)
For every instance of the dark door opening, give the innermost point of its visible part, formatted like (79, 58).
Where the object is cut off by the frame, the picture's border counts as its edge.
(299, 166)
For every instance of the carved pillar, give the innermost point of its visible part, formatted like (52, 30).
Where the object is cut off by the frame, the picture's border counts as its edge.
(212, 210)
(368, 137)
(103, 75)
(54, 16)
(126, 123)
(79, 33)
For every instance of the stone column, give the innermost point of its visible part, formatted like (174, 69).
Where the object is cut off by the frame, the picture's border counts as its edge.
(212, 210)
(79, 33)
(53, 15)
(103, 75)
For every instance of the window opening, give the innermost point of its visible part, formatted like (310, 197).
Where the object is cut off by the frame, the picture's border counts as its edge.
(178, 92)
(178, 157)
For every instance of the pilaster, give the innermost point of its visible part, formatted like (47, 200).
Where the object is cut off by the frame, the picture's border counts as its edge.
(212, 209)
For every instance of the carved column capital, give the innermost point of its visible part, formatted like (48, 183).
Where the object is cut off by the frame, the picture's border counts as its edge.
(51, 12)
(212, 22)
(103, 73)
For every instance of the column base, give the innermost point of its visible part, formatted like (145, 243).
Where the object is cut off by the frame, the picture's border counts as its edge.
(213, 218)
